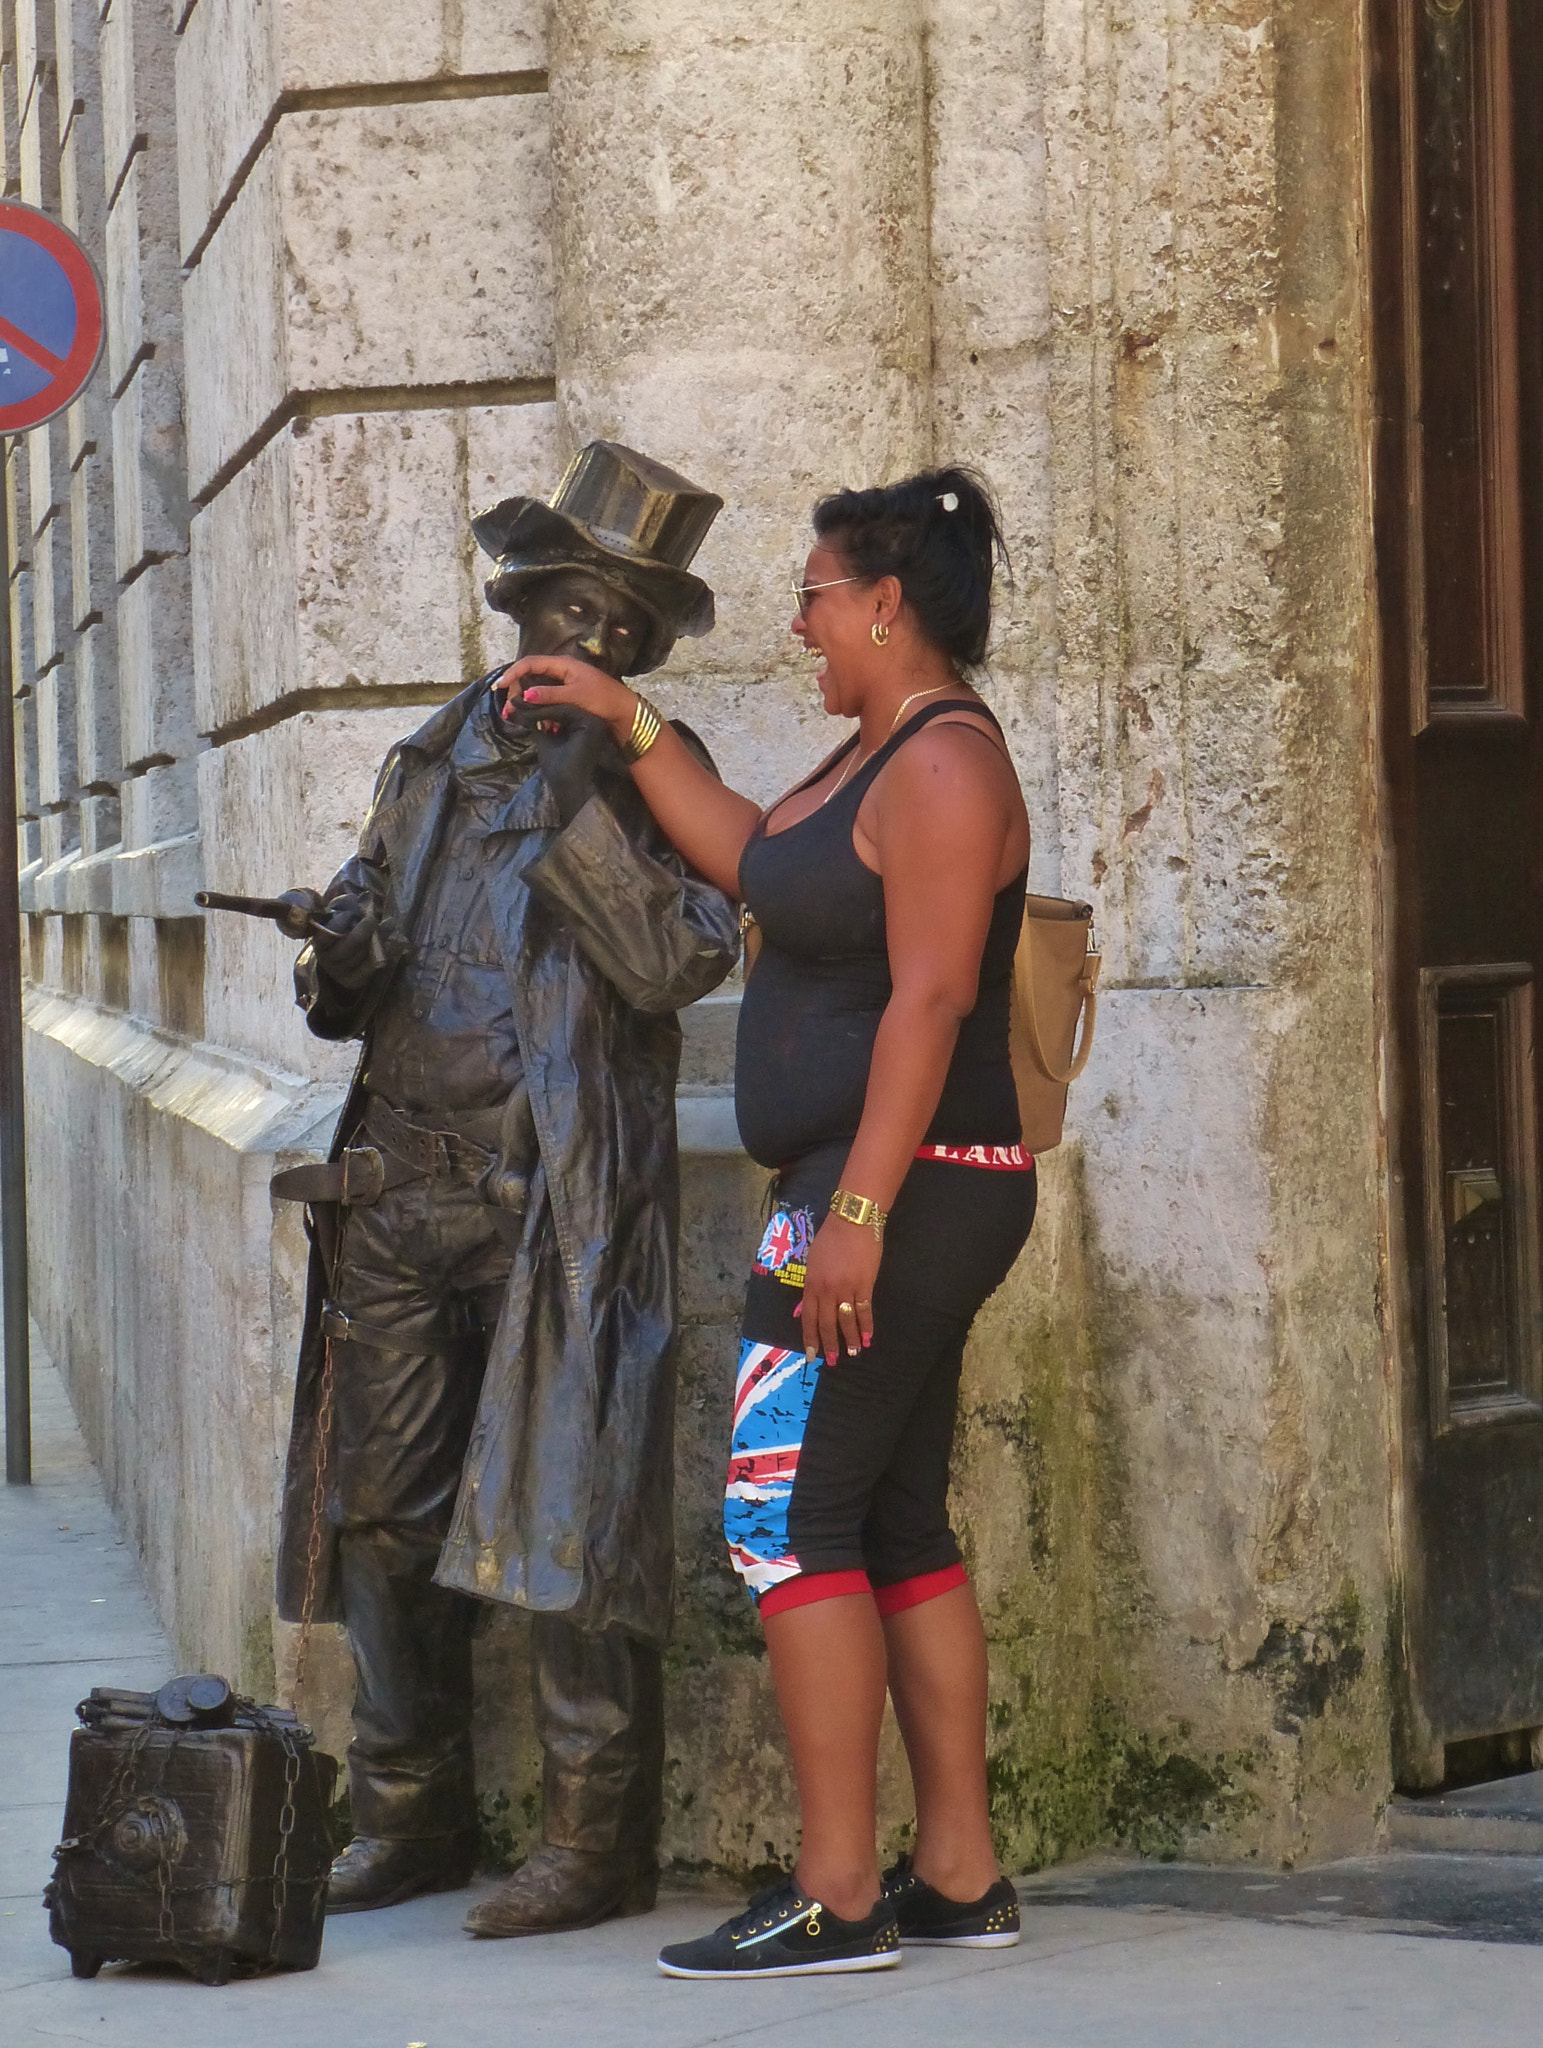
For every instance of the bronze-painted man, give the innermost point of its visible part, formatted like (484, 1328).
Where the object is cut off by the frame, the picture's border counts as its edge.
(497, 1282)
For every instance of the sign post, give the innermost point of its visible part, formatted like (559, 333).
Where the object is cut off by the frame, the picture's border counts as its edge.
(51, 333)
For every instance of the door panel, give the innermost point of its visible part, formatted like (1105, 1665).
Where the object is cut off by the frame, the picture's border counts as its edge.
(1459, 355)
(1461, 346)
(1479, 1167)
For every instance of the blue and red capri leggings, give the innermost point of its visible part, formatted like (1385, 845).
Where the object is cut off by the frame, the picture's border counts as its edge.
(838, 1475)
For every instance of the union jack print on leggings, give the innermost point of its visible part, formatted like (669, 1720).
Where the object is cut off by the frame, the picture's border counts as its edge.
(772, 1396)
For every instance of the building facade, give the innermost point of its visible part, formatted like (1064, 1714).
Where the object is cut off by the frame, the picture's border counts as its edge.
(367, 272)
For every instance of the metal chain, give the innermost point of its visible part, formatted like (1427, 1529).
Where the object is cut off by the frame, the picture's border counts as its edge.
(120, 1786)
(302, 1655)
(286, 1830)
(287, 1814)
(318, 1508)
(120, 1790)
(165, 1926)
(323, 1442)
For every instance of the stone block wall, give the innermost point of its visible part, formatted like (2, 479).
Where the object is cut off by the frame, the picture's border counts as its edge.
(368, 273)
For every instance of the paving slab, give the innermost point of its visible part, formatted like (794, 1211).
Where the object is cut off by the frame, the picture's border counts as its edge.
(1489, 1898)
(73, 1613)
(1117, 1957)
(1083, 1977)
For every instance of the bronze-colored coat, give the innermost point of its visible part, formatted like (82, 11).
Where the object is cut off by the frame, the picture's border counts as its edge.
(566, 1491)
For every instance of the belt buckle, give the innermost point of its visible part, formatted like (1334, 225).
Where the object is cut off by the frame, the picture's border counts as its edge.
(335, 1322)
(364, 1175)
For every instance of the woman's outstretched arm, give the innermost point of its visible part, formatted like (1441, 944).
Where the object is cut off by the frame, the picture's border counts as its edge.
(707, 823)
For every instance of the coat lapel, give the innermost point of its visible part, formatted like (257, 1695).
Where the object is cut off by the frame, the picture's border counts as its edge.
(408, 829)
(532, 808)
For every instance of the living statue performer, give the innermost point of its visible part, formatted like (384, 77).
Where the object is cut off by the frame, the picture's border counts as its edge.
(494, 1272)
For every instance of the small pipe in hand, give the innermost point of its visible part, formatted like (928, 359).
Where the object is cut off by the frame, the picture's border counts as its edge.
(291, 920)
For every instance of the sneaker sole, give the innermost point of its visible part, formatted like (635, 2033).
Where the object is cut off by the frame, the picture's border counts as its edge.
(885, 1962)
(960, 1940)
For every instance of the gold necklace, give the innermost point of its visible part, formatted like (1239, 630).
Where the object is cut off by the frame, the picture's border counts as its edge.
(840, 779)
(859, 757)
(905, 702)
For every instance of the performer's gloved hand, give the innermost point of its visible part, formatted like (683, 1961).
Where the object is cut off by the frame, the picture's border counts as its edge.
(354, 940)
(304, 905)
(570, 747)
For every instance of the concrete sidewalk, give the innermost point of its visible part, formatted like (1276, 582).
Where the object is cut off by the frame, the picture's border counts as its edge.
(73, 1614)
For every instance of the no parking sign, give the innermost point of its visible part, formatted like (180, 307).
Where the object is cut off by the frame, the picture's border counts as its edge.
(51, 331)
(51, 325)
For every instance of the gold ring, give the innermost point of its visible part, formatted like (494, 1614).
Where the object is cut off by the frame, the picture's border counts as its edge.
(845, 1308)
(865, 1304)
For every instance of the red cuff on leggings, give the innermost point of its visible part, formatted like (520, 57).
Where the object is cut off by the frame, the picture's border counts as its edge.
(811, 1586)
(912, 1592)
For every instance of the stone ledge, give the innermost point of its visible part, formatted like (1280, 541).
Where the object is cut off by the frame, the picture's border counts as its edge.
(88, 887)
(710, 1027)
(26, 886)
(249, 1107)
(1501, 1818)
(706, 1126)
(159, 880)
(146, 1059)
(50, 883)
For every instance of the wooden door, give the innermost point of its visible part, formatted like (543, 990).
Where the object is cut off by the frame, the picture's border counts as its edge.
(1457, 104)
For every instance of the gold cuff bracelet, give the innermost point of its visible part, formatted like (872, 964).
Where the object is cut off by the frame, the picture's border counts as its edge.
(646, 728)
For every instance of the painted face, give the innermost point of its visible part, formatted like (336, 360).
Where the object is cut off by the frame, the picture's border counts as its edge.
(575, 613)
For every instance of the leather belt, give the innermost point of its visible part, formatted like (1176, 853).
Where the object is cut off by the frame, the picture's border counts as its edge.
(341, 1328)
(402, 1152)
(362, 1175)
(430, 1152)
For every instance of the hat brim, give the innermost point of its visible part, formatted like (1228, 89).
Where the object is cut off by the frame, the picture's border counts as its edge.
(529, 540)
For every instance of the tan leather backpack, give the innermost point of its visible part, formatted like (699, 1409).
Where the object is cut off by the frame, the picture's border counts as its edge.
(1055, 989)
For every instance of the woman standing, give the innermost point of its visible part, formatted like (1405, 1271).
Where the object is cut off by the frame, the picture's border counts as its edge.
(873, 1074)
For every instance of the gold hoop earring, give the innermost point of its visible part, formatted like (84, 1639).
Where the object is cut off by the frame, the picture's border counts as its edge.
(880, 634)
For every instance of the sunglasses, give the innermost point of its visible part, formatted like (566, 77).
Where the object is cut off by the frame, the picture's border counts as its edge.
(802, 592)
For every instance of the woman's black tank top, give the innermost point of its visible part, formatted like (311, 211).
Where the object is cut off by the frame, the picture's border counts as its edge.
(821, 983)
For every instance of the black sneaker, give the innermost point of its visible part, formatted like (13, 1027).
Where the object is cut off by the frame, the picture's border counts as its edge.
(929, 1920)
(785, 1933)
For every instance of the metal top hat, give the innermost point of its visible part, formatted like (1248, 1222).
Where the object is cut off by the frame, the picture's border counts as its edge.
(624, 517)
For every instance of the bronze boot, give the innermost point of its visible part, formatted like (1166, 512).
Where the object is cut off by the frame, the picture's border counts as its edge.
(373, 1871)
(560, 1889)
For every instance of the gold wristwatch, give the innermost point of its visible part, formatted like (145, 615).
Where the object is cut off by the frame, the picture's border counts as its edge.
(859, 1209)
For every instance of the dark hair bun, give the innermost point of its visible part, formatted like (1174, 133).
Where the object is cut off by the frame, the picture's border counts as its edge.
(941, 535)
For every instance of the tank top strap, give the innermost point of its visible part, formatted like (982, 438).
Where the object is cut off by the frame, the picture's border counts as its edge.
(876, 760)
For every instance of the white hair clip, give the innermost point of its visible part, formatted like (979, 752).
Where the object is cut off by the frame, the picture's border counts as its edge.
(949, 500)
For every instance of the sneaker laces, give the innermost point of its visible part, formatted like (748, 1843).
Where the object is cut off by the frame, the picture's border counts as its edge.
(785, 1891)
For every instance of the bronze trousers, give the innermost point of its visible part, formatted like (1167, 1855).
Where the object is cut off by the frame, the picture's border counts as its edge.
(428, 1265)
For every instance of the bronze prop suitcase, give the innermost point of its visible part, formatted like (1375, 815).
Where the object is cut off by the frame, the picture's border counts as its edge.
(195, 1832)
